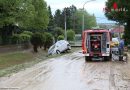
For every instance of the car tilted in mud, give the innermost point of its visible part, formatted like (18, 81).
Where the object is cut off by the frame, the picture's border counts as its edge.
(59, 47)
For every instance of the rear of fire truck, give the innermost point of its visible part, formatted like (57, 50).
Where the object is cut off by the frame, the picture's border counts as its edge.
(96, 44)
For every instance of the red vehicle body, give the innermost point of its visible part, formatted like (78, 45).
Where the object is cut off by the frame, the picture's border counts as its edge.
(96, 44)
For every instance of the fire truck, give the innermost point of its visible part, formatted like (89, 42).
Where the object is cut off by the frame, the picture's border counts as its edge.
(96, 44)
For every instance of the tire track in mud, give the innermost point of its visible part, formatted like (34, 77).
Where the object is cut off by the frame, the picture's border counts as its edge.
(118, 79)
(96, 75)
(111, 79)
(70, 72)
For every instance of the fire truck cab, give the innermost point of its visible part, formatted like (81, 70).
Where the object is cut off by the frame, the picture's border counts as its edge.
(96, 44)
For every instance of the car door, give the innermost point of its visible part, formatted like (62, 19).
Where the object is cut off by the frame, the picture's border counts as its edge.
(59, 46)
(62, 46)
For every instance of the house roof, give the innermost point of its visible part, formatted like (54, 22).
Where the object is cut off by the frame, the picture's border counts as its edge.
(118, 29)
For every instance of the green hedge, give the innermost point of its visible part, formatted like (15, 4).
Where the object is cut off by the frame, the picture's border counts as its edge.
(28, 33)
(60, 37)
(70, 35)
(15, 39)
(24, 38)
(0, 40)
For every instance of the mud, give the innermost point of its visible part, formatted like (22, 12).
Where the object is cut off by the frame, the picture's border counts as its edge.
(70, 72)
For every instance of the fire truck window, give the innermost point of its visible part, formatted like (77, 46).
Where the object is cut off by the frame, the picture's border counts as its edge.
(96, 38)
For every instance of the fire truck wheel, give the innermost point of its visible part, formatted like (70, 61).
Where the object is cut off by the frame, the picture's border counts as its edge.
(87, 58)
(107, 58)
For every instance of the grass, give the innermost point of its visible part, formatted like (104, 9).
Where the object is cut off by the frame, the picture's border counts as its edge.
(19, 60)
(11, 59)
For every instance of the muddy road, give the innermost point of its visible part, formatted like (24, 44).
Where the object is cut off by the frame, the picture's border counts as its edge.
(70, 72)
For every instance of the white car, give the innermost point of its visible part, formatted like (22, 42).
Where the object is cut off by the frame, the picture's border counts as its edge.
(58, 47)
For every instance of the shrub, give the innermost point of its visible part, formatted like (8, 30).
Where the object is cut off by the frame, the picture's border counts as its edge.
(37, 40)
(0, 40)
(28, 33)
(24, 38)
(60, 37)
(58, 31)
(15, 39)
(70, 35)
(48, 41)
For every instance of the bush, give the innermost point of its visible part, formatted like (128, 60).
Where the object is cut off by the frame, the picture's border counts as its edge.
(58, 31)
(0, 40)
(28, 33)
(37, 40)
(70, 35)
(60, 37)
(15, 39)
(24, 38)
(48, 41)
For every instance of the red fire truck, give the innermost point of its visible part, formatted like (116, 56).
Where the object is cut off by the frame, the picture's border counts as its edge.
(96, 44)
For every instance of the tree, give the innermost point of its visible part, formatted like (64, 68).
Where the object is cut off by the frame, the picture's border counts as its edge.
(73, 17)
(41, 18)
(60, 37)
(113, 12)
(57, 18)
(16, 12)
(69, 14)
(89, 21)
(51, 20)
(58, 31)
(28, 14)
(37, 40)
(70, 35)
(8, 16)
(48, 40)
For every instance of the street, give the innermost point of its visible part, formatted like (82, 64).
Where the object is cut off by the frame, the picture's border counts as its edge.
(70, 72)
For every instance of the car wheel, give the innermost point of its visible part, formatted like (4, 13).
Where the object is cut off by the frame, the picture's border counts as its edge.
(58, 52)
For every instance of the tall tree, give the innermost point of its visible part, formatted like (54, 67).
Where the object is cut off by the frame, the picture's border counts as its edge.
(22, 13)
(73, 18)
(41, 18)
(57, 18)
(11, 12)
(89, 20)
(68, 14)
(51, 20)
(119, 11)
(16, 12)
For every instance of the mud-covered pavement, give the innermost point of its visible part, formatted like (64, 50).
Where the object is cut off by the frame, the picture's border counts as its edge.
(70, 72)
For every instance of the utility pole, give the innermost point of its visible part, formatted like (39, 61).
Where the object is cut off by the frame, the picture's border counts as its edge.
(65, 26)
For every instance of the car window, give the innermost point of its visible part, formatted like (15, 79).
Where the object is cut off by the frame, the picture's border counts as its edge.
(53, 46)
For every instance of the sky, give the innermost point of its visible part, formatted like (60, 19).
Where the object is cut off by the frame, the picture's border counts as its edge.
(93, 7)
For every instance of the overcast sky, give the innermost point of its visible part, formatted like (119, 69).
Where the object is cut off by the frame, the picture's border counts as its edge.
(93, 7)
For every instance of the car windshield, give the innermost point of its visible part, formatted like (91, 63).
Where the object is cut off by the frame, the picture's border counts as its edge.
(52, 47)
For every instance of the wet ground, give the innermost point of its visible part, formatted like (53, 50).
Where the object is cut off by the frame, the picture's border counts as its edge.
(70, 72)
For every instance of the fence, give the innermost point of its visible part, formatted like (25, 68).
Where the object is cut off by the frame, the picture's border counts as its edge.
(10, 48)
